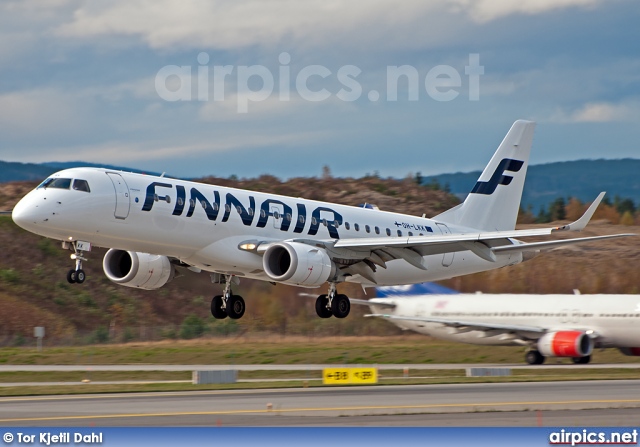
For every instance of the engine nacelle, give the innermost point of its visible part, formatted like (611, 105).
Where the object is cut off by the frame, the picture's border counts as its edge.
(299, 264)
(140, 270)
(630, 351)
(565, 344)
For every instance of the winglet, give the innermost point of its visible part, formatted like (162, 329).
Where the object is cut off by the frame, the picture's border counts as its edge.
(586, 217)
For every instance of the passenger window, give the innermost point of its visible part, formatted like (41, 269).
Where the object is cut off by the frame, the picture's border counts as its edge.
(288, 217)
(377, 230)
(356, 227)
(410, 233)
(301, 219)
(81, 185)
(346, 225)
(367, 229)
(388, 232)
(399, 233)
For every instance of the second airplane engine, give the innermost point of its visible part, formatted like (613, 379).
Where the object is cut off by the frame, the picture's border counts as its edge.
(299, 264)
(565, 344)
(140, 270)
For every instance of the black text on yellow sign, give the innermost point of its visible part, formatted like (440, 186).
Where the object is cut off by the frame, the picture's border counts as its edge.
(349, 376)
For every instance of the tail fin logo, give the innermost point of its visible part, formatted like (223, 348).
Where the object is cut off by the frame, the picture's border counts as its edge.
(498, 177)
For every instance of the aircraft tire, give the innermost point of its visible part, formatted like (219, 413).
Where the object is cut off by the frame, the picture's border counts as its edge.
(321, 307)
(71, 276)
(534, 357)
(581, 360)
(216, 308)
(80, 276)
(340, 306)
(235, 307)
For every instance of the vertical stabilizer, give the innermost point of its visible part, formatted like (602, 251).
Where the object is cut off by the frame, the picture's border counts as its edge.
(493, 203)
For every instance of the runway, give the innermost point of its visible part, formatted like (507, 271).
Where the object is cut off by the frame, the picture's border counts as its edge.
(494, 404)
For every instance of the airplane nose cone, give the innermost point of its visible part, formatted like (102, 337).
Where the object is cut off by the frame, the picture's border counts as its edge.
(24, 214)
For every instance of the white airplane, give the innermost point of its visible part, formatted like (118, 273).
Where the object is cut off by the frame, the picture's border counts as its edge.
(548, 325)
(154, 224)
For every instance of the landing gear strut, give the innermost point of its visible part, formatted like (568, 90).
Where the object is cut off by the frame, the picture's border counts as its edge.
(334, 304)
(77, 275)
(227, 304)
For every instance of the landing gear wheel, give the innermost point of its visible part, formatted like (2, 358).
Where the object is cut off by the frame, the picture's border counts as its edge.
(235, 306)
(80, 276)
(340, 306)
(581, 360)
(216, 308)
(534, 358)
(71, 276)
(321, 307)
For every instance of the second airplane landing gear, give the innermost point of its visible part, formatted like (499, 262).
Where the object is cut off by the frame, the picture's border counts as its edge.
(534, 357)
(334, 304)
(227, 304)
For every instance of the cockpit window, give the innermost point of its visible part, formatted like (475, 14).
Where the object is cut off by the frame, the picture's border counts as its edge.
(81, 185)
(60, 183)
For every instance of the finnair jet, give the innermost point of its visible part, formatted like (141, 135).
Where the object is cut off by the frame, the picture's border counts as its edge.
(547, 325)
(154, 225)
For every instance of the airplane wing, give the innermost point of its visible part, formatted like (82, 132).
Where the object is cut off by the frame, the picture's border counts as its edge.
(486, 244)
(413, 249)
(470, 325)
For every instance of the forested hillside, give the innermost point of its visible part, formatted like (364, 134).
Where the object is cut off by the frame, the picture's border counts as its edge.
(34, 290)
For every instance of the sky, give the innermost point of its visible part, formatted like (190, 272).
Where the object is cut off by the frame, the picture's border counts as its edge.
(285, 87)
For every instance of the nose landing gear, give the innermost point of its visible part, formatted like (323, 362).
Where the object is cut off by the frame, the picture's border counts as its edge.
(77, 275)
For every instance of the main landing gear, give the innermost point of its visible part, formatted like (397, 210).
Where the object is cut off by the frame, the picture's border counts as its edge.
(334, 304)
(76, 275)
(534, 357)
(227, 304)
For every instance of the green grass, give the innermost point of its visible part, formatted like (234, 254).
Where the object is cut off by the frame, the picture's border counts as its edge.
(291, 379)
(336, 351)
(231, 351)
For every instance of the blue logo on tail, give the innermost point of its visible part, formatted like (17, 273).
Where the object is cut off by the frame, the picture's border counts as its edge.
(498, 177)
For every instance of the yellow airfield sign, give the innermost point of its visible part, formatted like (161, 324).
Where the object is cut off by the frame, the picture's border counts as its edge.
(349, 376)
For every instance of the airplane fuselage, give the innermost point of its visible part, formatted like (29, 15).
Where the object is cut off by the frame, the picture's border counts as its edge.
(614, 320)
(203, 225)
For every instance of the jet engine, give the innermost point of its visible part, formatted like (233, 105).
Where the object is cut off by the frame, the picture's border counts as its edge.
(565, 344)
(299, 264)
(140, 270)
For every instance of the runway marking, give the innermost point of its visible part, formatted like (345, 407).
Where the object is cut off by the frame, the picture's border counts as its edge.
(294, 410)
(155, 394)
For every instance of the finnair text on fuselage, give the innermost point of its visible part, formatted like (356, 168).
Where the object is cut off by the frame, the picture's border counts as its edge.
(269, 208)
